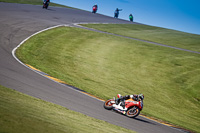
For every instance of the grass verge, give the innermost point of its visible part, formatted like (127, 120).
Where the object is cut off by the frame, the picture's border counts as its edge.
(20, 113)
(105, 65)
(154, 34)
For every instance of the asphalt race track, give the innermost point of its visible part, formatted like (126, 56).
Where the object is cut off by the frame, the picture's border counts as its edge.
(17, 22)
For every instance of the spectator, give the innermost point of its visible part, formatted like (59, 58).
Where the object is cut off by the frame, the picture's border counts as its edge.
(117, 13)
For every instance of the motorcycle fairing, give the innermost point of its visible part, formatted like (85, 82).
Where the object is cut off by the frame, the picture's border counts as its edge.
(131, 103)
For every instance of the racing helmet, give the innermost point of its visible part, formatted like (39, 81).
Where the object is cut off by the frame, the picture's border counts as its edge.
(119, 95)
(141, 96)
(131, 96)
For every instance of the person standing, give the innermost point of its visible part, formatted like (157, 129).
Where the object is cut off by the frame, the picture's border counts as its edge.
(116, 14)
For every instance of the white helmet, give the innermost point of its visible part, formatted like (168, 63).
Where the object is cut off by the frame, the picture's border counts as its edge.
(119, 95)
(131, 96)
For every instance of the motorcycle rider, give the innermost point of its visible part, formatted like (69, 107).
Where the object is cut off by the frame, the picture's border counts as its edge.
(123, 98)
(94, 8)
(131, 17)
(46, 2)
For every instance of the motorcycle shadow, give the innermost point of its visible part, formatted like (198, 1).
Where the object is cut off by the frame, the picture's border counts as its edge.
(141, 119)
(50, 9)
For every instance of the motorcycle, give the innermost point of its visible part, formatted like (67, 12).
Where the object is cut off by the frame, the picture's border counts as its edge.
(132, 108)
(131, 18)
(94, 9)
(45, 4)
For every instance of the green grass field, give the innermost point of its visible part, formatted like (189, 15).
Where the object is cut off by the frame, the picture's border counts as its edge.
(20, 113)
(105, 65)
(154, 34)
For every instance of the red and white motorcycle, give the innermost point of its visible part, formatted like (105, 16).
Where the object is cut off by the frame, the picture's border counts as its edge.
(94, 9)
(132, 108)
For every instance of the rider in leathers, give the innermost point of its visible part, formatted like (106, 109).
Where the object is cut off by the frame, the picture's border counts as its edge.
(123, 98)
(47, 1)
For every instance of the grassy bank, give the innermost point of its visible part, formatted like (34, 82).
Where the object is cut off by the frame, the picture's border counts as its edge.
(32, 2)
(105, 65)
(154, 34)
(20, 113)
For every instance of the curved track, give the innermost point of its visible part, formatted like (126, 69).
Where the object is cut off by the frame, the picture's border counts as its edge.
(17, 22)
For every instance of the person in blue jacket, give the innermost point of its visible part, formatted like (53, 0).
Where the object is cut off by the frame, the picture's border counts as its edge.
(116, 14)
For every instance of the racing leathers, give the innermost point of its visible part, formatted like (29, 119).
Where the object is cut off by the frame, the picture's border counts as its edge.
(123, 98)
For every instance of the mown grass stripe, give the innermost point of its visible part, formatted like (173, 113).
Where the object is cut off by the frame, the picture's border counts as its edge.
(85, 63)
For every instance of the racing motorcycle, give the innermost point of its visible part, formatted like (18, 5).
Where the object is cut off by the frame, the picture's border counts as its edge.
(46, 4)
(132, 108)
(94, 9)
(131, 18)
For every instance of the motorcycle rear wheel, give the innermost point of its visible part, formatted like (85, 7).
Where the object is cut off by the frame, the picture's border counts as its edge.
(133, 112)
(108, 105)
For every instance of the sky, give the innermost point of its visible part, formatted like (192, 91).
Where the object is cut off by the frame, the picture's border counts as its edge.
(181, 15)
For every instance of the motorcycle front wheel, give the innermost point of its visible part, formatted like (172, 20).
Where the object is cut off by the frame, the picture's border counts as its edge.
(133, 112)
(108, 104)
(46, 6)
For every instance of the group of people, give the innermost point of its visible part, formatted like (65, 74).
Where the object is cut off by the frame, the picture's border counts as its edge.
(116, 13)
(94, 10)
